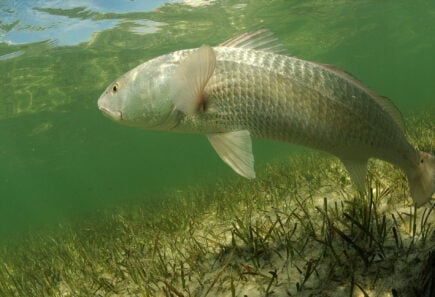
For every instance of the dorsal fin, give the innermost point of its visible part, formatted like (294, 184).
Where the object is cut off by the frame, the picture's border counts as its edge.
(261, 40)
(382, 101)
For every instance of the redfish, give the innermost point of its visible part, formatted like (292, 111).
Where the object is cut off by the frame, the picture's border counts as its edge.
(248, 87)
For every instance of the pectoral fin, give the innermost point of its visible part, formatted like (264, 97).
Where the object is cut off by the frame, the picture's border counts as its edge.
(190, 79)
(357, 170)
(235, 149)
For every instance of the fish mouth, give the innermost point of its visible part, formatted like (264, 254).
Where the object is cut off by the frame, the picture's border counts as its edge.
(115, 115)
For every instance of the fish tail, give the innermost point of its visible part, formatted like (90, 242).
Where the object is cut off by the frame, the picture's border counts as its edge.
(421, 179)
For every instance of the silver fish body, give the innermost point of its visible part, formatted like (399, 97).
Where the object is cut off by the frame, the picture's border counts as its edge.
(236, 91)
(288, 99)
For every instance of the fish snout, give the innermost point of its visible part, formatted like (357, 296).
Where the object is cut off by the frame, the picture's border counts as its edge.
(114, 115)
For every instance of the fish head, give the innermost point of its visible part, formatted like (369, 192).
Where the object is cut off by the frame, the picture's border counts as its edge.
(141, 97)
(421, 179)
(111, 102)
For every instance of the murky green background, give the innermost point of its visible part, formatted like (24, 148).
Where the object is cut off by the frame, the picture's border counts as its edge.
(60, 159)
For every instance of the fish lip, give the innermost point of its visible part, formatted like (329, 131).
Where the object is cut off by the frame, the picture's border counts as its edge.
(115, 115)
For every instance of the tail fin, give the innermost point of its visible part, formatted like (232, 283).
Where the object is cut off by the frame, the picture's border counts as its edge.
(422, 179)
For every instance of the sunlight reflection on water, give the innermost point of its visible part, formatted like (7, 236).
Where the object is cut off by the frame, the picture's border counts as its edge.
(66, 22)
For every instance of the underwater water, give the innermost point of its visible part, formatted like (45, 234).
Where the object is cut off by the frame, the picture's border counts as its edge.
(61, 159)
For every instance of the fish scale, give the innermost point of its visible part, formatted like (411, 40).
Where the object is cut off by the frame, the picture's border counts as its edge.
(295, 92)
(246, 87)
(253, 91)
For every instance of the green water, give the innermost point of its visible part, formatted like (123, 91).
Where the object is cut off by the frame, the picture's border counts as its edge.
(60, 159)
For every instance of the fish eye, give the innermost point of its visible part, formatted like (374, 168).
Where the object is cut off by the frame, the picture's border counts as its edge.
(115, 87)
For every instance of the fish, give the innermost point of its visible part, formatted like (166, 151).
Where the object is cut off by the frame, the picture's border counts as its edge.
(250, 86)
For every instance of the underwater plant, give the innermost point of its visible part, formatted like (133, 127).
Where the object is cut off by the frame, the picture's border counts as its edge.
(299, 229)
